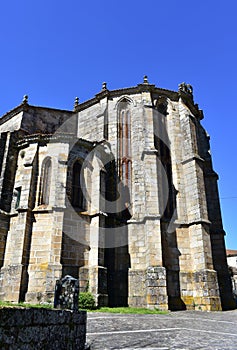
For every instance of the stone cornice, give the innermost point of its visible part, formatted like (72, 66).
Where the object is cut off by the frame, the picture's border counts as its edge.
(150, 88)
(195, 157)
(21, 108)
(2, 212)
(154, 152)
(51, 138)
(201, 221)
(24, 107)
(173, 95)
(145, 218)
(110, 94)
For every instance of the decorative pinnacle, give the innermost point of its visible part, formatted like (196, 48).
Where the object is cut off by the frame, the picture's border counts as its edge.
(76, 102)
(104, 86)
(186, 88)
(145, 80)
(25, 99)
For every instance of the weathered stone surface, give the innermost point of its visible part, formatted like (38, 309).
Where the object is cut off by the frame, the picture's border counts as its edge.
(66, 293)
(120, 193)
(42, 329)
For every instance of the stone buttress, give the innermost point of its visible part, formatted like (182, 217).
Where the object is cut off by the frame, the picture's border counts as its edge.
(120, 193)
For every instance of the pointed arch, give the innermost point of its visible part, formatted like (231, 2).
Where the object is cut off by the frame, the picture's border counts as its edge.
(125, 99)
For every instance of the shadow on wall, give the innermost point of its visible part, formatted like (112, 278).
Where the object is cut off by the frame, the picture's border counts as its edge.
(113, 213)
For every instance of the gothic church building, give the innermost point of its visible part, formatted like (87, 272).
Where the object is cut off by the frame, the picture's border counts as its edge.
(120, 193)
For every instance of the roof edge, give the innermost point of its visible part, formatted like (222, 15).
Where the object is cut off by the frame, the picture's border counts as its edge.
(24, 107)
(129, 90)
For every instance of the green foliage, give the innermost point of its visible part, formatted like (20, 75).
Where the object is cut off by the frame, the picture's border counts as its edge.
(5, 303)
(21, 304)
(130, 310)
(86, 301)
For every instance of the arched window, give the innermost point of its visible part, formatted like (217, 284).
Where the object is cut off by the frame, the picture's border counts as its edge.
(45, 182)
(125, 156)
(77, 193)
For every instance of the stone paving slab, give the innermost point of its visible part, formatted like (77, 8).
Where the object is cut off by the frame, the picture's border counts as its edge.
(186, 330)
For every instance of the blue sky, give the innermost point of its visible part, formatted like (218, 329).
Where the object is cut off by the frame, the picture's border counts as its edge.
(55, 50)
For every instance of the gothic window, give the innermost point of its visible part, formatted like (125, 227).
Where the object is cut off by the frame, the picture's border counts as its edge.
(77, 192)
(18, 197)
(45, 182)
(125, 159)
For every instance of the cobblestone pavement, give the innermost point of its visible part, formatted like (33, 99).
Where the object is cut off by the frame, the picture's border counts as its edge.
(177, 330)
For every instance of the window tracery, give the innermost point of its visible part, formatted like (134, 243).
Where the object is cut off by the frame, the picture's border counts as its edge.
(125, 156)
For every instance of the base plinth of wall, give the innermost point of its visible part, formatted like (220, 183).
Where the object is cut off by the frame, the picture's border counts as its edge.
(10, 282)
(176, 303)
(137, 288)
(42, 280)
(228, 301)
(156, 288)
(94, 279)
(199, 290)
(147, 288)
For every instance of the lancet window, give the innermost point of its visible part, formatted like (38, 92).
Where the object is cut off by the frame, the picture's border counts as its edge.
(125, 156)
(45, 182)
(77, 192)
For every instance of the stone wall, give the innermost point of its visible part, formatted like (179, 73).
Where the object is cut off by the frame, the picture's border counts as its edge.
(148, 231)
(33, 328)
